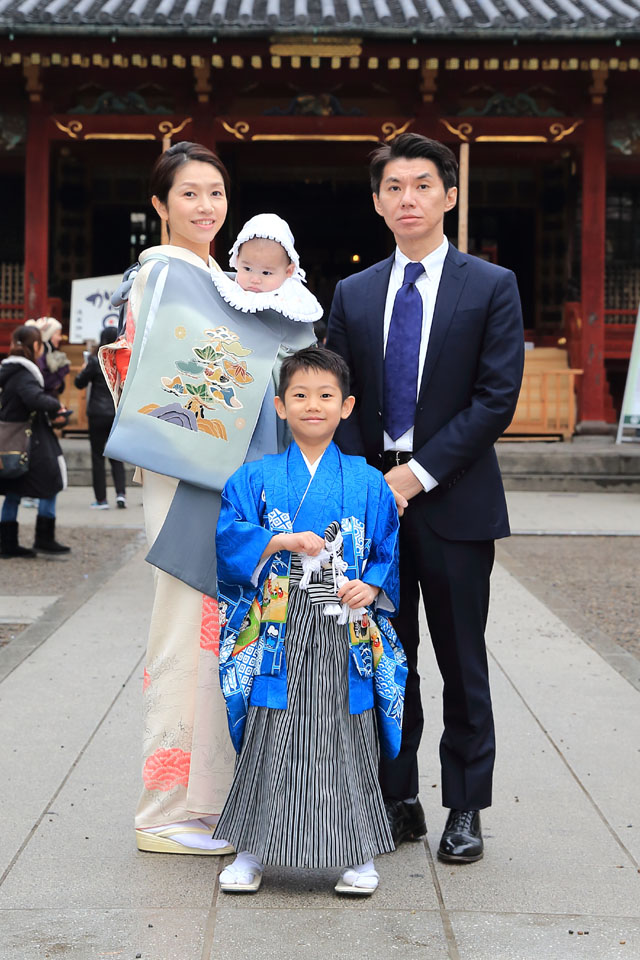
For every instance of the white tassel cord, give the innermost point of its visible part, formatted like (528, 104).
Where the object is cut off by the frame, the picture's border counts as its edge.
(311, 565)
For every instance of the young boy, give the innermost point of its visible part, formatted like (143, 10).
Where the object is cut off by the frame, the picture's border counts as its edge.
(307, 567)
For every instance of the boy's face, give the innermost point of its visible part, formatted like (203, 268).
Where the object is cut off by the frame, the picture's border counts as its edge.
(263, 265)
(313, 406)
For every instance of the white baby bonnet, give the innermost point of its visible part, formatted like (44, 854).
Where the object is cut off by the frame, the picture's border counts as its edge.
(292, 299)
(268, 226)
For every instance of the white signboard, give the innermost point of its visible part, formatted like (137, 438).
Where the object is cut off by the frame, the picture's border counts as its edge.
(629, 426)
(91, 310)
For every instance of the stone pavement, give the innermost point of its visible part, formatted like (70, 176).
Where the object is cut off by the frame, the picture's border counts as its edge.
(560, 878)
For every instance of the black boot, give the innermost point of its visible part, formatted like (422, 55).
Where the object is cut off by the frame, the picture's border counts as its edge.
(9, 546)
(45, 536)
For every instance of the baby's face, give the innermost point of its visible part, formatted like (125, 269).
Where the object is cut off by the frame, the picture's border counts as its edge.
(263, 265)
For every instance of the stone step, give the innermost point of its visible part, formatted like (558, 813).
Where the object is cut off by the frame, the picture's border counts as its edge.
(586, 463)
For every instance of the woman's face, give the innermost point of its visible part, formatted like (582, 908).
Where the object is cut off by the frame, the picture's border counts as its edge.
(38, 347)
(55, 339)
(196, 206)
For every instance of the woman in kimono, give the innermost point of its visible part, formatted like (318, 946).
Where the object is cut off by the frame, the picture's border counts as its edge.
(187, 756)
(308, 565)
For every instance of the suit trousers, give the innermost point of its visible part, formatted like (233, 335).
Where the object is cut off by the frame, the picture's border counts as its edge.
(453, 576)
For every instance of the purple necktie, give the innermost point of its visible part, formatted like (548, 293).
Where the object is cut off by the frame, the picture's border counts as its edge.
(401, 356)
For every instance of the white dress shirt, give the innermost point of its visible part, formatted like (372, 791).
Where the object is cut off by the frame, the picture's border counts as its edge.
(427, 285)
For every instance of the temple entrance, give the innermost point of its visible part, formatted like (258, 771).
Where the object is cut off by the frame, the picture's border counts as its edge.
(322, 190)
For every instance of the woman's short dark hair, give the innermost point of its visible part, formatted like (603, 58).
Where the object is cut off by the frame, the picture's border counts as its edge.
(23, 341)
(164, 169)
(412, 146)
(314, 358)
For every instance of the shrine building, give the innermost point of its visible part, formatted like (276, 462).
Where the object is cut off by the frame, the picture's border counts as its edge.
(539, 98)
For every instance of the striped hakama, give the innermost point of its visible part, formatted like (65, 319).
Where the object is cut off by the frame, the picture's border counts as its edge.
(305, 791)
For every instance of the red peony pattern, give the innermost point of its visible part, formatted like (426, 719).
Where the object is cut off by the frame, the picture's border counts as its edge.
(210, 626)
(146, 679)
(166, 769)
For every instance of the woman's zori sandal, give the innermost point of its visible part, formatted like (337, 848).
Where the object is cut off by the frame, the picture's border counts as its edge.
(189, 836)
(244, 875)
(360, 881)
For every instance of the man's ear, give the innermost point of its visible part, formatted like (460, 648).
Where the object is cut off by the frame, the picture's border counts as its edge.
(160, 208)
(376, 204)
(347, 407)
(280, 410)
(451, 199)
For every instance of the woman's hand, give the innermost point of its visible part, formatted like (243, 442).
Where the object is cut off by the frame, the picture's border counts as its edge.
(355, 593)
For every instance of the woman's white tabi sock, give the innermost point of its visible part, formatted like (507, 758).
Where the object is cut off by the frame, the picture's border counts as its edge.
(195, 834)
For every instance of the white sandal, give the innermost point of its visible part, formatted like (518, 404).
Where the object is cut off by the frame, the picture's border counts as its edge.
(244, 875)
(167, 839)
(356, 883)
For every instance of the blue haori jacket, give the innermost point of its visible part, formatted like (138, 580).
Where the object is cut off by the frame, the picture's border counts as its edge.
(261, 499)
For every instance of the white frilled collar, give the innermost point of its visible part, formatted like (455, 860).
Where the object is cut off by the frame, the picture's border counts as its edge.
(33, 368)
(292, 299)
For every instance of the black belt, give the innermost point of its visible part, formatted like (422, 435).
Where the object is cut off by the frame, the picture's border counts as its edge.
(393, 458)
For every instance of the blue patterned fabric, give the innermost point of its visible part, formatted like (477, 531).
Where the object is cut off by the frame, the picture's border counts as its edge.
(261, 499)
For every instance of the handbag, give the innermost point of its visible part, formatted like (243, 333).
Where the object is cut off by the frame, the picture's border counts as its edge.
(15, 448)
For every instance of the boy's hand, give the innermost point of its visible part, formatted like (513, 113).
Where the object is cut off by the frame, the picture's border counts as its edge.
(305, 542)
(355, 593)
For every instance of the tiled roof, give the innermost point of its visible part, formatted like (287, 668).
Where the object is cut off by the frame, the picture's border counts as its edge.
(367, 18)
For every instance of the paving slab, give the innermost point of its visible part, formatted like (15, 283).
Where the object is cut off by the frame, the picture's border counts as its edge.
(159, 934)
(23, 609)
(491, 936)
(574, 513)
(287, 934)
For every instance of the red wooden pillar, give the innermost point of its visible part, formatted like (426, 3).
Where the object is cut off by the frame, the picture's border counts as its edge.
(36, 234)
(594, 172)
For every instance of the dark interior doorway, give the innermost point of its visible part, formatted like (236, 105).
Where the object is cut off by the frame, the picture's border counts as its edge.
(322, 191)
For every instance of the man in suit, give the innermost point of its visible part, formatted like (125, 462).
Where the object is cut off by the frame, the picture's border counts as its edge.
(434, 342)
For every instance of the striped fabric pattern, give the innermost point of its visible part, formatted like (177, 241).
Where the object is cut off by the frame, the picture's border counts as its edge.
(306, 792)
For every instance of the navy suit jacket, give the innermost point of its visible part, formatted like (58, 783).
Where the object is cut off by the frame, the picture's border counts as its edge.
(468, 391)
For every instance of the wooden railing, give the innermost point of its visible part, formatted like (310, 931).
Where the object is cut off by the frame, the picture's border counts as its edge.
(547, 404)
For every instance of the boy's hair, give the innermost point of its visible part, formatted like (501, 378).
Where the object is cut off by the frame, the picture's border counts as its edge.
(314, 358)
(412, 146)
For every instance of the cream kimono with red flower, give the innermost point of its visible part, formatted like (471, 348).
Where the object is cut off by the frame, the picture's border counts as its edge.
(187, 756)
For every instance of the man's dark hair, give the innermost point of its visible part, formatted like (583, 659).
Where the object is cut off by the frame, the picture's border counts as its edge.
(314, 358)
(412, 146)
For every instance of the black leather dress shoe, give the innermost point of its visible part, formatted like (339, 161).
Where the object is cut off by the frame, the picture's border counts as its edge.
(462, 837)
(406, 820)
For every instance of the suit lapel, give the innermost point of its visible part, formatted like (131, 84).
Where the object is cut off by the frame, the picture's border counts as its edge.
(375, 302)
(452, 281)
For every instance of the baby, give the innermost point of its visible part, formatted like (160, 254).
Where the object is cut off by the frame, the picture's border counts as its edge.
(268, 272)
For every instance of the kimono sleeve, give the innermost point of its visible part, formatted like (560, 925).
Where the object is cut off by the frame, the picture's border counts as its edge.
(240, 537)
(382, 528)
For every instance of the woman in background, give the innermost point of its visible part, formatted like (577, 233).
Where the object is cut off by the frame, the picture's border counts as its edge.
(100, 414)
(23, 396)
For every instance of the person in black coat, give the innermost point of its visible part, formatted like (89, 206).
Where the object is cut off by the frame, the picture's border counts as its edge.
(22, 395)
(100, 414)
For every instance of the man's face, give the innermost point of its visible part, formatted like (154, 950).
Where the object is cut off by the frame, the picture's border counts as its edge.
(413, 200)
